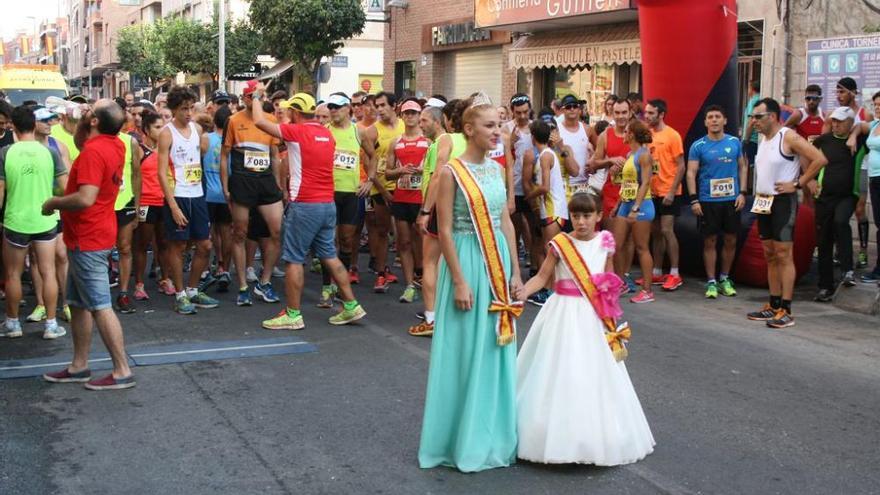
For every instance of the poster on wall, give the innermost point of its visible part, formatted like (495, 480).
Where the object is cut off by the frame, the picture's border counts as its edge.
(370, 83)
(830, 59)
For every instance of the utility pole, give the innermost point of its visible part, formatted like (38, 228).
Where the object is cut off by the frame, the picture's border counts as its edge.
(221, 73)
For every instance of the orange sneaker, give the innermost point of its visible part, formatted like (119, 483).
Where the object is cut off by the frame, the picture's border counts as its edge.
(672, 282)
(658, 280)
(381, 285)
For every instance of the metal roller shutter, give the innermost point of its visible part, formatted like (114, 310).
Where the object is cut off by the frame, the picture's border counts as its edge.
(476, 69)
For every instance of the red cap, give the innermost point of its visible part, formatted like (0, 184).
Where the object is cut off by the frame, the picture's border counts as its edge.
(250, 87)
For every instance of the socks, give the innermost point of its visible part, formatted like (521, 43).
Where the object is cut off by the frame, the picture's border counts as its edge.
(711, 281)
(429, 317)
(657, 272)
(786, 305)
(293, 313)
(722, 276)
(673, 271)
(51, 323)
(350, 305)
(776, 302)
(190, 292)
(181, 294)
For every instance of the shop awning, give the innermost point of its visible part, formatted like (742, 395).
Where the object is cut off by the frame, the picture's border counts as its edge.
(280, 68)
(596, 45)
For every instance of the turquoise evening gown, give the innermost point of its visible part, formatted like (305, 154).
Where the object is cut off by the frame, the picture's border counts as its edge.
(470, 405)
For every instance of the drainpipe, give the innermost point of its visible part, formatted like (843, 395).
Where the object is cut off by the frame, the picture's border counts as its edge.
(786, 81)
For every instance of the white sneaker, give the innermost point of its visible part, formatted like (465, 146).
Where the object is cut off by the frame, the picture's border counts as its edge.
(54, 332)
(277, 272)
(252, 275)
(11, 329)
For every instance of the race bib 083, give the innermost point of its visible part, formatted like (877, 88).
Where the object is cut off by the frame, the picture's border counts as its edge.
(256, 161)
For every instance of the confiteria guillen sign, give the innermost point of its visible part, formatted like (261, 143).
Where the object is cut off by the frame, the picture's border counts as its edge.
(492, 13)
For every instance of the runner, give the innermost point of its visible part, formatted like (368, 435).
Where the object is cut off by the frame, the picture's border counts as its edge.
(667, 152)
(869, 180)
(780, 159)
(149, 229)
(218, 208)
(717, 175)
(435, 123)
(310, 219)
(28, 172)
(65, 130)
(254, 182)
(380, 134)
(348, 186)
(185, 217)
(323, 114)
(809, 120)
(357, 102)
(634, 212)
(368, 118)
(838, 191)
(127, 204)
(406, 155)
(89, 233)
(548, 189)
(577, 136)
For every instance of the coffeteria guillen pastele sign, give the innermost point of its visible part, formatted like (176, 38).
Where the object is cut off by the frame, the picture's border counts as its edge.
(493, 13)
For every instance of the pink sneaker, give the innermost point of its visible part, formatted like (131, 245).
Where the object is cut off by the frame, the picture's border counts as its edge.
(167, 287)
(643, 297)
(140, 294)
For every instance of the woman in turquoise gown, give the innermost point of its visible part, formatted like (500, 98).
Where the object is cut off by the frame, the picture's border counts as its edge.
(470, 405)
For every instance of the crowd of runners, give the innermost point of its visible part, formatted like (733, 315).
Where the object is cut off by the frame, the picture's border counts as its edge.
(343, 186)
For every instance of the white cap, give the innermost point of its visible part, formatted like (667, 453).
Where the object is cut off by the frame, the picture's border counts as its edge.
(843, 113)
(434, 102)
(338, 100)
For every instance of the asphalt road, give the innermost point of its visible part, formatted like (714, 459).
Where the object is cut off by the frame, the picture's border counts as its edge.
(734, 406)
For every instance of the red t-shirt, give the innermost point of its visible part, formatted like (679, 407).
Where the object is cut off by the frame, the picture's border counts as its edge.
(99, 164)
(310, 149)
(410, 152)
(151, 190)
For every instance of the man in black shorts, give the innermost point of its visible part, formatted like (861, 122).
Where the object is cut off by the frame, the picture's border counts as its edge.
(717, 173)
(255, 181)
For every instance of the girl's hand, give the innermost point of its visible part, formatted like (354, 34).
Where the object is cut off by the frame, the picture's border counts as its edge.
(464, 297)
(516, 289)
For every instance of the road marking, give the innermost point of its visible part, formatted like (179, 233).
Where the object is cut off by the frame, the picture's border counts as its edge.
(43, 365)
(213, 349)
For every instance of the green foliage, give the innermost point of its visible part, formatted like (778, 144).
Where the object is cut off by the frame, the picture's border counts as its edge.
(243, 43)
(189, 46)
(140, 51)
(306, 30)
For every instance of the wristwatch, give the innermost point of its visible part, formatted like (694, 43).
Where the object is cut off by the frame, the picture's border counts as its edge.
(797, 184)
(635, 208)
(424, 212)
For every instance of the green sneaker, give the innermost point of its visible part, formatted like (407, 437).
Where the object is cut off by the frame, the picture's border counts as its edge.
(202, 300)
(183, 306)
(726, 288)
(711, 290)
(283, 321)
(409, 294)
(65, 313)
(347, 316)
(38, 314)
(863, 259)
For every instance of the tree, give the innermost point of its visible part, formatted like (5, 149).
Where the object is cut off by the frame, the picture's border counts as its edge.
(189, 46)
(243, 43)
(306, 30)
(140, 51)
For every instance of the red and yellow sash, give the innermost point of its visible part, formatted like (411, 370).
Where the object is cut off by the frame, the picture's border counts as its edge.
(576, 265)
(507, 309)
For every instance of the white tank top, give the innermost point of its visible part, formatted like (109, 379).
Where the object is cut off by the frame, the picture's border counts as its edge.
(553, 205)
(523, 143)
(772, 165)
(186, 159)
(581, 148)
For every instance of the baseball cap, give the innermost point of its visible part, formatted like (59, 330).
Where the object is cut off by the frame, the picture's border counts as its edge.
(301, 102)
(843, 113)
(220, 96)
(571, 99)
(250, 87)
(848, 83)
(410, 106)
(434, 102)
(78, 99)
(338, 100)
(43, 114)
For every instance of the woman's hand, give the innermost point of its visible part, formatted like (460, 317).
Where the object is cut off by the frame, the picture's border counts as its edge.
(516, 288)
(464, 297)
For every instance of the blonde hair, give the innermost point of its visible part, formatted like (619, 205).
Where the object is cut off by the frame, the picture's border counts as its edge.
(471, 114)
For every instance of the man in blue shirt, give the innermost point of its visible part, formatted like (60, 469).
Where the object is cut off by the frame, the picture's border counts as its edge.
(717, 173)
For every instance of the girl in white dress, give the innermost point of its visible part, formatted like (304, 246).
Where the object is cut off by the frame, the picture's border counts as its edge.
(575, 401)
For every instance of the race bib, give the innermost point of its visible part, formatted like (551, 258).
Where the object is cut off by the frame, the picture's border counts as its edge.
(344, 160)
(142, 213)
(256, 161)
(410, 182)
(655, 167)
(192, 173)
(762, 204)
(628, 190)
(721, 188)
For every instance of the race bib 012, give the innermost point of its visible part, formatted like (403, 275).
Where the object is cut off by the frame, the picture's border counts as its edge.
(344, 160)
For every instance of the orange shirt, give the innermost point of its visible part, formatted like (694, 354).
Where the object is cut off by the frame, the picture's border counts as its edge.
(665, 150)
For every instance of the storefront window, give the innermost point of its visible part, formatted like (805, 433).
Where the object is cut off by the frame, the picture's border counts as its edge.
(592, 84)
(405, 78)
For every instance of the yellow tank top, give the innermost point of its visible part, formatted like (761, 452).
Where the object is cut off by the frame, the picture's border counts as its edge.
(385, 136)
(631, 177)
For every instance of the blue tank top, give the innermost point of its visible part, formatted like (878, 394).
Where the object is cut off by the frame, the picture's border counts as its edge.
(211, 165)
(873, 144)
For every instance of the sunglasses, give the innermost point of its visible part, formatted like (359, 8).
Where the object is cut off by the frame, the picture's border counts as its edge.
(357, 104)
(571, 106)
(758, 116)
(813, 98)
(333, 107)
